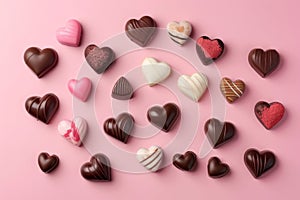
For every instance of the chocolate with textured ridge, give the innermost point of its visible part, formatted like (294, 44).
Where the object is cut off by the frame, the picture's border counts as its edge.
(47, 163)
(40, 61)
(186, 161)
(164, 117)
(217, 169)
(232, 90)
(98, 169)
(42, 108)
(119, 128)
(122, 89)
(209, 50)
(264, 62)
(259, 162)
(99, 58)
(218, 132)
(141, 31)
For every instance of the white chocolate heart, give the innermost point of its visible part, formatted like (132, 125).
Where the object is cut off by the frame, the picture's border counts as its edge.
(150, 158)
(193, 86)
(179, 32)
(74, 131)
(155, 72)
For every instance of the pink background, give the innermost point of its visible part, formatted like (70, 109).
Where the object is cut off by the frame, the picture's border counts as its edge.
(242, 25)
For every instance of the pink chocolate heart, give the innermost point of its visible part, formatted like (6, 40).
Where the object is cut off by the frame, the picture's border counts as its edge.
(80, 89)
(70, 35)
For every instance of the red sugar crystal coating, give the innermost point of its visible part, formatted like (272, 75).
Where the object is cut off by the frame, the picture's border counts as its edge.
(211, 48)
(272, 115)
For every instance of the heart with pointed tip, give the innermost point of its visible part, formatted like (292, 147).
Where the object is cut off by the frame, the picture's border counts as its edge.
(154, 71)
(186, 161)
(217, 169)
(209, 50)
(98, 169)
(179, 32)
(232, 90)
(150, 158)
(80, 88)
(70, 35)
(47, 163)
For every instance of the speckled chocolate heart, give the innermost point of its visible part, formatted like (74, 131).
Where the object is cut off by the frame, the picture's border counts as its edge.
(99, 58)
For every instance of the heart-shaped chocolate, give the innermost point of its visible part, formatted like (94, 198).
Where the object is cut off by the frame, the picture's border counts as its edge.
(141, 31)
(81, 89)
(150, 158)
(269, 114)
(164, 117)
(217, 169)
(40, 61)
(179, 32)
(70, 35)
(122, 89)
(209, 50)
(47, 163)
(218, 132)
(259, 162)
(42, 108)
(185, 161)
(232, 90)
(99, 58)
(264, 62)
(98, 169)
(119, 128)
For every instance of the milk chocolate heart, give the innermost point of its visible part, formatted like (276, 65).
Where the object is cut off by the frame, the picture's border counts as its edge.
(259, 162)
(98, 169)
(232, 90)
(217, 169)
(209, 50)
(185, 161)
(42, 108)
(218, 132)
(47, 163)
(122, 89)
(119, 128)
(269, 114)
(140, 31)
(40, 61)
(264, 62)
(164, 117)
(99, 58)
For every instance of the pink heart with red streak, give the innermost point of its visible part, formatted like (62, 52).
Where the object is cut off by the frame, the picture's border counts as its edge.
(80, 88)
(70, 35)
(269, 114)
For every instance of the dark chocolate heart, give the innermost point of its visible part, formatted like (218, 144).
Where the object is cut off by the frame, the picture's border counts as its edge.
(217, 169)
(98, 169)
(218, 132)
(186, 161)
(99, 58)
(122, 89)
(141, 31)
(47, 163)
(40, 61)
(164, 117)
(209, 50)
(119, 128)
(42, 108)
(259, 162)
(269, 114)
(264, 62)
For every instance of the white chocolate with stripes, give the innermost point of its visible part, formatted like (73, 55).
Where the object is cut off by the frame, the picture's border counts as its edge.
(150, 158)
(179, 32)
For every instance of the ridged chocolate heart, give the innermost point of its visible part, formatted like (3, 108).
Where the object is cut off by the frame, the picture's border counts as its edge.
(140, 31)
(122, 89)
(259, 162)
(217, 169)
(98, 169)
(209, 50)
(99, 58)
(42, 108)
(47, 163)
(164, 117)
(264, 62)
(185, 161)
(218, 132)
(40, 61)
(232, 90)
(119, 128)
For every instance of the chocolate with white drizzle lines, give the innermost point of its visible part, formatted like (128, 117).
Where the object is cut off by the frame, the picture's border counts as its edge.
(232, 90)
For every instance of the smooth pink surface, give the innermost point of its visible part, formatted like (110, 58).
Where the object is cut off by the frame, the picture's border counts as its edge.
(80, 88)
(242, 25)
(70, 35)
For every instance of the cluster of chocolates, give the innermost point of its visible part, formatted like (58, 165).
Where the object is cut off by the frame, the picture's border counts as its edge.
(163, 117)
